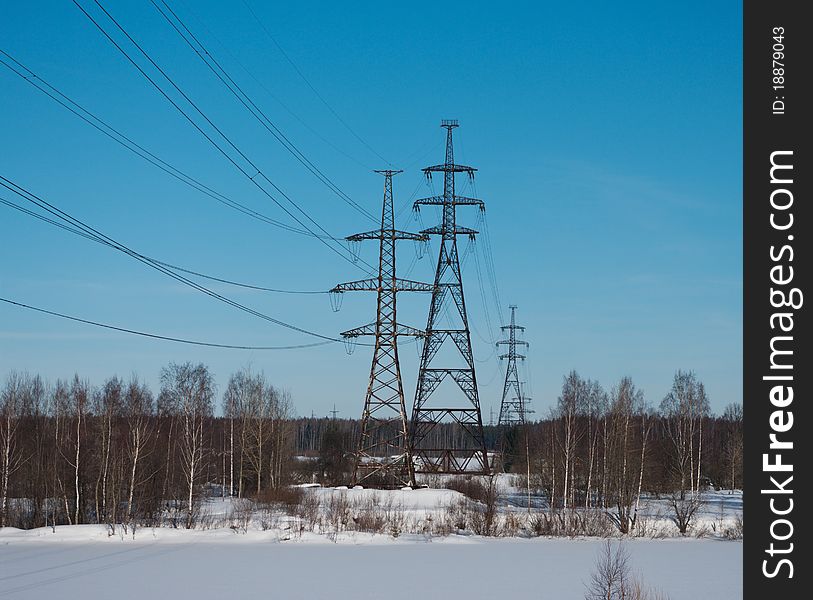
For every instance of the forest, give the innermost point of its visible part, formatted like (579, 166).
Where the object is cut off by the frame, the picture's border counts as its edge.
(75, 452)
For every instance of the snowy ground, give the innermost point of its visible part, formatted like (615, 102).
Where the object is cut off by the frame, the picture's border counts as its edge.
(83, 563)
(229, 557)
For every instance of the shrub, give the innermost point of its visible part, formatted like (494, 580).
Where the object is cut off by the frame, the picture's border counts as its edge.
(242, 513)
(288, 498)
(734, 532)
(469, 486)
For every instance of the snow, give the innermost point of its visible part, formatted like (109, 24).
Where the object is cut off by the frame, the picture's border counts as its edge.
(84, 563)
(224, 557)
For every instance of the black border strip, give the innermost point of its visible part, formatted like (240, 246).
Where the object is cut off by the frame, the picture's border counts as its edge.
(775, 123)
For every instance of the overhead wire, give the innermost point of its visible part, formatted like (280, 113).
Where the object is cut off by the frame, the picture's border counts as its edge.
(276, 97)
(92, 232)
(252, 177)
(488, 254)
(97, 235)
(163, 263)
(311, 86)
(220, 72)
(138, 149)
(155, 335)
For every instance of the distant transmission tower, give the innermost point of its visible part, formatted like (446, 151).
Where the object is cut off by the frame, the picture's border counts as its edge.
(382, 457)
(456, 453)
(513, 408)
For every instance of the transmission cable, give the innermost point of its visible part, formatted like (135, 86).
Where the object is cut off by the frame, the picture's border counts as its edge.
(312, 88)
(155, 335)
(274, 96)
(96, 235)
(212, 63)
(488, 254)
(252, 178)
(90, 231)
(137, 149)
(165, 264)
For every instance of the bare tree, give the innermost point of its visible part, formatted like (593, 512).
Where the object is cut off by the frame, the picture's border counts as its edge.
(683, 410)
(107, 405)
(138, 412)
(191, 388)
(257, 406)
(626, 452)
(732, 418)
(70, 407)
(280, 437)
(245, 401)
(596, 407)
(167, 413)
(612, 578)
(20, 393)
(231, 402)
(570, 407)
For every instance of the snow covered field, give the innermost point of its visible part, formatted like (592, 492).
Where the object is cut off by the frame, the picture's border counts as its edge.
(84, 563)
(270, 554)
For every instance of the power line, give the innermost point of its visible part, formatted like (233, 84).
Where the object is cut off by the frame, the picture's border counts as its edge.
(94, 233)
(139, 150)
(155, 260)
(211, 62)
(238, 284)
(310, 85)
(231, 159)
(274, 96)
(488, 255)
(155, 335)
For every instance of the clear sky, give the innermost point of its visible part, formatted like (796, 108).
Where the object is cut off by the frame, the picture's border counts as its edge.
(607, 138)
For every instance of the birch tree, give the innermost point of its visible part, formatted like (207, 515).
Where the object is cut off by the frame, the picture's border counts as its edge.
(107, 405)
(732, 419)
(138, 413)
(20, 393)
(683, 410)
(626, 451)
(191, 388)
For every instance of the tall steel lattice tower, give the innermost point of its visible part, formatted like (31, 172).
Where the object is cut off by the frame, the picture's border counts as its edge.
(383, 456)
(467, 452)
(514, 405)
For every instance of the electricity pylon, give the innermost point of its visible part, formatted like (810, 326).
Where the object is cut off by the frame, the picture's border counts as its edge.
(383, 456)
(468, 453)
(513, 408)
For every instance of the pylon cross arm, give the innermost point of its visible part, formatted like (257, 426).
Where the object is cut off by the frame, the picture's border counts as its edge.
(363, 285)
(368, 329)
(407, 285)
(455, 168)
(410, 331)
(521, 356)
(371, 285)
(408, 235)
(378, 234)
(457, 200)
(458, 230)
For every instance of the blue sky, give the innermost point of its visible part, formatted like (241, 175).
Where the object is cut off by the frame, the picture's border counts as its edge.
(608, 143)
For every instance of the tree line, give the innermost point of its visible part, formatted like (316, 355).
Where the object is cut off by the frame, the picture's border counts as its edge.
(72, 452)
(606, 449)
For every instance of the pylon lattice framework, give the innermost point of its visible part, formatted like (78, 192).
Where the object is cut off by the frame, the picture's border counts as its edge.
(514, 405)
(383, 456)
(470, 454)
